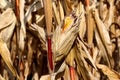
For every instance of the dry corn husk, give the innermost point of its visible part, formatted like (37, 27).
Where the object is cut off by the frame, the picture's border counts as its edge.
(61, 40)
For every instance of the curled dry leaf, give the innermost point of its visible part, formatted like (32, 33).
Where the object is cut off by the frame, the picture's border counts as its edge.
(40, 33)
(36, 5)
(87, 53)
(45, 77)
(80, 64)
(5, 4)
(1, 78)
(82, 26)
(57, 15)
(101, 27)
(4, 52)
(7, 25)
(111, 74)
(102, 49)
(103, 30)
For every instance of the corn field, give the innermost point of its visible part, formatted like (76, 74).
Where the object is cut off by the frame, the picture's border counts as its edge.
(59, 39)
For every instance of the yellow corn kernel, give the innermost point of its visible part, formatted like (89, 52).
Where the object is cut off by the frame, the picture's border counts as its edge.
(67, 22)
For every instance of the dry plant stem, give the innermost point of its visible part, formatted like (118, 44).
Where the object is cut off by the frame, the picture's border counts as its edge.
(90, 23)
(17, 9)
(61, 11)
(56, 13)
(101, 9)
(87, 3)
(22, 26)
(17, 12)
(48, 18)
(50, 54)
(48, 15)
(21, 71)
(19, 15)
(72, 73)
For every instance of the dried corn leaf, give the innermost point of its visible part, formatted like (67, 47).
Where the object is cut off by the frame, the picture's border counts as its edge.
(80, 65)
(35, 6)
(56, 13)
(70, 57)
(82, 26)
(35, 77)
(111, 74)
(103, 32)
(102, 49)
(4, 4)
(110, 14)
(45, 77)
(1, 78)
(61, 10)
(66, 73)
(40, 33)
(87, 54)
(7, 25)
(4, 52)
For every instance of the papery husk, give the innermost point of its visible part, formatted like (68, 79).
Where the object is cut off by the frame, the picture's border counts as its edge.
(62, 43)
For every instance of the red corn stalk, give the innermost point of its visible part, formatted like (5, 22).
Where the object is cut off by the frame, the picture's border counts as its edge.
(17, 12)
(72, 73)
(21, 71)
(48, 18)
(50, 60)
(87, 3)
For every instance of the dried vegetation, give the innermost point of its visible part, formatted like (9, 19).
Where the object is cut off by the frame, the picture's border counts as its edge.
(59, 39)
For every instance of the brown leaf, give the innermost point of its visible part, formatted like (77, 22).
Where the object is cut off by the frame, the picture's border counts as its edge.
(7, 25)
(4, 52)
(111, 74)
